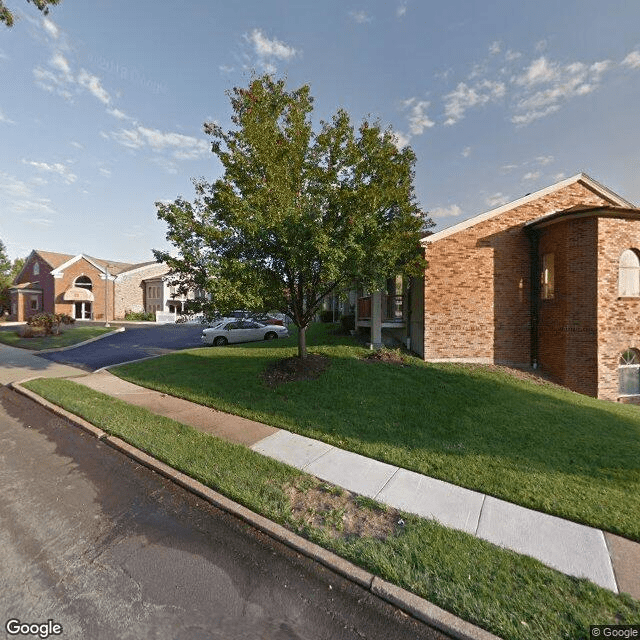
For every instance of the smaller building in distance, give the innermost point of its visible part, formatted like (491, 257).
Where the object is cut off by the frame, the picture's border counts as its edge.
(81, 286)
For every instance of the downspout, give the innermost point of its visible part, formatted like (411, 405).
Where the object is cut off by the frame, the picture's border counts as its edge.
(534, 294)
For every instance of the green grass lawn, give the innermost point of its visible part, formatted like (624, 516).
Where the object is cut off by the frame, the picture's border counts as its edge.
(65, 339)
(513, 596)
(533, 444)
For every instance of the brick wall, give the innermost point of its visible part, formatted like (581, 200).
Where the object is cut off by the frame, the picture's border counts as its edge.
(79, 268)
(478, 284)
(567, 323)
(618, 318)
(129, 293)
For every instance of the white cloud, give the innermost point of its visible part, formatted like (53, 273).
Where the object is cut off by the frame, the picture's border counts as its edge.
(452, 211)
(59, 62)
(57, 167)
(266, 49)
(5, 119)
(400, 139)
(632, 60)
(3, 55)
(418, 119)
(466, 152)
(464, 97)
(532, 175)
(51, 28)
(497, 200)
(544, 160)
(361, 17)
(510, 55)
(495, 48)
(93, 84)
(401, 10)
(105, 172)
(18, 196)
(540, 70)
(548, 85)
(117, 113)
(179, 146)
(75, 144)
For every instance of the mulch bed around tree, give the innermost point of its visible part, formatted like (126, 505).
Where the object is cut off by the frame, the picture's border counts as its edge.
(294, 369)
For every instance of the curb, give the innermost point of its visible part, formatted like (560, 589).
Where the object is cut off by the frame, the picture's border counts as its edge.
(408, 602)
(80, 344)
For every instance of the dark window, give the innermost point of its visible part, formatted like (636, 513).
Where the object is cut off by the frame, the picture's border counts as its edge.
(84, 282)
(629, 373)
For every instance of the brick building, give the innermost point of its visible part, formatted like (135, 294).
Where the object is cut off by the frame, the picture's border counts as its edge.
(551, 280)
(80, 286)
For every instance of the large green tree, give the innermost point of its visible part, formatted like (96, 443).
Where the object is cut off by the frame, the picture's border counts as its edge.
(6, 15)
(296, 213)
(8, 271)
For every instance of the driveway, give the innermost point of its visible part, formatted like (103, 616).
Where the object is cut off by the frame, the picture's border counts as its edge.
(132, 344)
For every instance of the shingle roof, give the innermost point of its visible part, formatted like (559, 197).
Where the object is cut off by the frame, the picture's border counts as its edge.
(115, 268)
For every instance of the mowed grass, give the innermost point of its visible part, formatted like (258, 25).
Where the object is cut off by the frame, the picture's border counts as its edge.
(513, 596)
(67, 338)
(533, 444)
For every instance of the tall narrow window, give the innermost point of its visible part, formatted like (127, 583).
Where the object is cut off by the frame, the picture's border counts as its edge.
(629, 275)
(547, 277)
(629, 373)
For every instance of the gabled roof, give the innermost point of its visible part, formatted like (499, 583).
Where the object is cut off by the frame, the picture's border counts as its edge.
(583, 178)
(581, 211)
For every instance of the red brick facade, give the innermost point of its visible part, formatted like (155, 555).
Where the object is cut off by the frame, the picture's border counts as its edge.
(52, 279)
(483, 301)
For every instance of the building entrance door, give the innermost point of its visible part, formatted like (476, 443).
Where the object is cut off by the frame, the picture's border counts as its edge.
(82, 311)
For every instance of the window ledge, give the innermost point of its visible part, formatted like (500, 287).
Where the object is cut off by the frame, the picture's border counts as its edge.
(628, 298)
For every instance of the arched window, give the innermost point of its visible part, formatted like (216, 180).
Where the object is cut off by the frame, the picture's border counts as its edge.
(629, 373)
(629, 275)
(84, 282)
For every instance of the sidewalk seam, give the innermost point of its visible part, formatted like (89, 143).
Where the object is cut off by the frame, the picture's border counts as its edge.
(484, 499)
(408, 602)
(393, 475)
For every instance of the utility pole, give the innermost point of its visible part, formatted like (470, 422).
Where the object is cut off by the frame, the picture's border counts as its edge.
(106, 293)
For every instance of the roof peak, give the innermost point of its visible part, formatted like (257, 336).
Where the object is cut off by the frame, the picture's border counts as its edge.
(605, 192)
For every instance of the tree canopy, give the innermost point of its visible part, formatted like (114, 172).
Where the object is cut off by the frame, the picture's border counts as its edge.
(8, 271)
(296, 213)
(6, 15)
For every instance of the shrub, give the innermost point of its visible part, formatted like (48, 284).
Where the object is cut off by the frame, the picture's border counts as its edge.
(326, 315)
(348, 323)
(27, 331)
(64, 318)
(47, 321)
(139, 316)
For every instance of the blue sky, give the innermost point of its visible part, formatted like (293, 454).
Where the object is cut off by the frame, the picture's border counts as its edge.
(102, 103)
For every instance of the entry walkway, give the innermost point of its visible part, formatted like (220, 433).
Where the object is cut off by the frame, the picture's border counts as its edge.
(578, 550)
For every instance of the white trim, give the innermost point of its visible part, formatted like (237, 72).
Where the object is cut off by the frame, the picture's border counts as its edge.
(487, 360)
(580, 177)
(59, 271)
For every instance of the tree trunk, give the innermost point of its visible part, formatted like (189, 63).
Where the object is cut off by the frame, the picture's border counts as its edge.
(302, 342)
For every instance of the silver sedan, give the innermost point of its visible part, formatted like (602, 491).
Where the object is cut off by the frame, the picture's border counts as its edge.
(227, 332)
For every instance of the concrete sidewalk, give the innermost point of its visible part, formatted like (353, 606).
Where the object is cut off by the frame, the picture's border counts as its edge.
(578, 550)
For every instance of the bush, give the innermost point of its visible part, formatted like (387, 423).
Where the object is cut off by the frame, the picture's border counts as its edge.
(139, 316)
(326, 315)
(48, 322)
(348, 323)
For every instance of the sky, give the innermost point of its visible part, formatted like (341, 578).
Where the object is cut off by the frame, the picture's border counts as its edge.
(102, 103)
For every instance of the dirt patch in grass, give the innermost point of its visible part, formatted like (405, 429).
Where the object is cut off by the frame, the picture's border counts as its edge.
(295, 369)
(340, 513)
(391, 356)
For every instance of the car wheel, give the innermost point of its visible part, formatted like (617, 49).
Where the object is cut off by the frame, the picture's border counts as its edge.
(271, 335)
(220, 341)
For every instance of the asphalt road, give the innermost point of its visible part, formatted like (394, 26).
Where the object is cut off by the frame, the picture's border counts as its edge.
(109, 550)
(132, 344)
